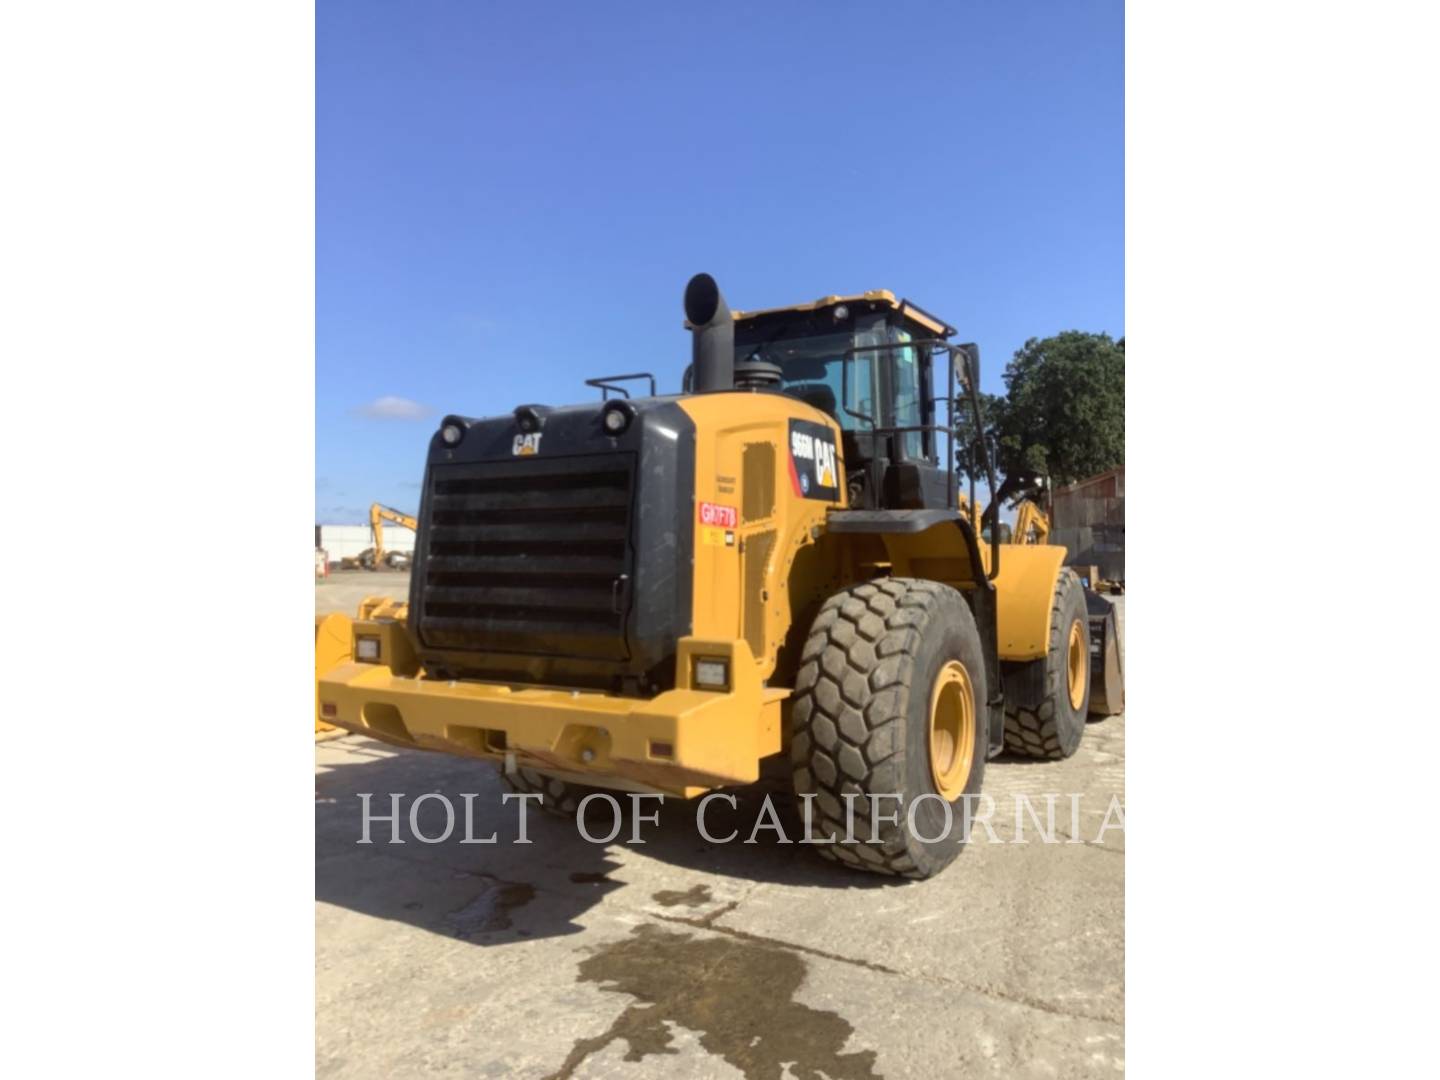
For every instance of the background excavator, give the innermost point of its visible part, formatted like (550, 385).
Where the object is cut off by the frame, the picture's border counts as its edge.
(375, 556)
(1032, 525)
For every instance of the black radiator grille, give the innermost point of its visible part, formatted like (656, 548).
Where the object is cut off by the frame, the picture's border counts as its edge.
(529, 556)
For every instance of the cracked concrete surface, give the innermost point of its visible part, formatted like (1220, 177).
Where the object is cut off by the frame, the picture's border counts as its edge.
(683, 958)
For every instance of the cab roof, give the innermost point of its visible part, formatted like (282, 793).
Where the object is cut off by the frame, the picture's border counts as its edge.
(875, 299)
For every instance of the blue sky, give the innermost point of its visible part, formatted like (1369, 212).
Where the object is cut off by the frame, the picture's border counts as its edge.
(511, 197)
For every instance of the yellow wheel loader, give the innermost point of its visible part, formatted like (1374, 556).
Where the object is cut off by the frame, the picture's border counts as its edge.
(658, 593)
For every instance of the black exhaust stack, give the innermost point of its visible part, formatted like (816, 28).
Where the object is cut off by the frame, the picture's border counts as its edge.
(713, 328)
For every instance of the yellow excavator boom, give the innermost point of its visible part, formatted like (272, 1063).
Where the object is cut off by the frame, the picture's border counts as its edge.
(1032, 526)
(380, 514)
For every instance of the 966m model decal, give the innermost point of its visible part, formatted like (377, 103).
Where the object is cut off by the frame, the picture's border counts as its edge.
(814, 461)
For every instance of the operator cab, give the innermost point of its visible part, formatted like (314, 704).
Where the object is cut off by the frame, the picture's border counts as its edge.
(867, 361)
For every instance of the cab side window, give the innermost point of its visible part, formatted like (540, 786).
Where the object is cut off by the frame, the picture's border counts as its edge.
(905, 378)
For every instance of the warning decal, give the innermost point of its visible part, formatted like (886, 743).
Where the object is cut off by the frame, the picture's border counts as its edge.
(814, 462)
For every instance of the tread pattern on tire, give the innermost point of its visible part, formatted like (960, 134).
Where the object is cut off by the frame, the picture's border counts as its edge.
(852, 693)
(1032, 689)
(556, 796)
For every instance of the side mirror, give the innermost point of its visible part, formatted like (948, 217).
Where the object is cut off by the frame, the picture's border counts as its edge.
(971, 352)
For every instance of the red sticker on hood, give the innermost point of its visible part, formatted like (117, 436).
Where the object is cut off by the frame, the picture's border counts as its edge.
(724, 517)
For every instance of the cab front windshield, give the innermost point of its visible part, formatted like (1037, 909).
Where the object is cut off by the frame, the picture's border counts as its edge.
(815, 368)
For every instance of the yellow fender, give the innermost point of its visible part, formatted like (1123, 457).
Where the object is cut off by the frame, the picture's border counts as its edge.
(332, 648)
(1025, 593)
(1024, 588)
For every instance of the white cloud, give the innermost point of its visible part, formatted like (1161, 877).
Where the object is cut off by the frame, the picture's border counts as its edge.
(390, 407)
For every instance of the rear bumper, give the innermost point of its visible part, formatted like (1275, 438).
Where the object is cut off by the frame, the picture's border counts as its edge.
(683, 741)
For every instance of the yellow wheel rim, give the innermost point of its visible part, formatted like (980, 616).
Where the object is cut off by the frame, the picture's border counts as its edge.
(1077, 664)
(952, 730)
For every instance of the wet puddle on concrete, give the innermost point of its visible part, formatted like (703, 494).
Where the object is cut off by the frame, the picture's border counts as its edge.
(488, 912)
(691, 897)
(736, 995)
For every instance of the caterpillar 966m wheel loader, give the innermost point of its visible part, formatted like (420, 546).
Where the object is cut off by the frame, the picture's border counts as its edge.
(658, 593)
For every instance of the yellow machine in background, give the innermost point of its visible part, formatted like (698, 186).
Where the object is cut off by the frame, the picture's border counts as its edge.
(1032, 526)
(375, 556)
(378, 556)
(658, 593)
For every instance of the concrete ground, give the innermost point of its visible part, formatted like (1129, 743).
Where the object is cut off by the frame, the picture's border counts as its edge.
(344, 589)
(683, 958)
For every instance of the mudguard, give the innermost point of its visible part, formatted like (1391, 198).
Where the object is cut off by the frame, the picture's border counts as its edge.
(1025, 592)
(332, 648)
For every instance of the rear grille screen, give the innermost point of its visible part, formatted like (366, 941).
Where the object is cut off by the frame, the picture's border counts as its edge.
(757, 555)
(530, 556)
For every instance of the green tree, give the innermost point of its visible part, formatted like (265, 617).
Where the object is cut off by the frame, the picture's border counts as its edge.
(1063, 414)
(968, 460)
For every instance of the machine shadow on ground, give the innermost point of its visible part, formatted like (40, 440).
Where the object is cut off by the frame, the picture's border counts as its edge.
(469, 890)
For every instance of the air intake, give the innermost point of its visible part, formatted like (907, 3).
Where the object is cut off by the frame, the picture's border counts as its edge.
(713, 330)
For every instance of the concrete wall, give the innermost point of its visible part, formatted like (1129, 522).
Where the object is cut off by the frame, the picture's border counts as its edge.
(1088, 520)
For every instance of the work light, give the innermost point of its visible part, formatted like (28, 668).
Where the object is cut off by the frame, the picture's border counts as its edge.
(714, 674)
(617, 417)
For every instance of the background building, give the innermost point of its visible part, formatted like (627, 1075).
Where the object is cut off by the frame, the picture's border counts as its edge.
(347, 541)
(1088, 518)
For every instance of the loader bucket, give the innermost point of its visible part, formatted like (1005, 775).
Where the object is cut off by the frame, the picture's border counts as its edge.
(1107, 671)
(332, 648)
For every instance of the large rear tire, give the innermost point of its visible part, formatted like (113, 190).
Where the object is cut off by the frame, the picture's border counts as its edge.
(1046, 700)
(890, 700)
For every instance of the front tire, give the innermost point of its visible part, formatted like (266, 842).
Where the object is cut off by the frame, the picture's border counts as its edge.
(1046, 700)
(890, 700)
